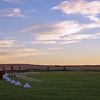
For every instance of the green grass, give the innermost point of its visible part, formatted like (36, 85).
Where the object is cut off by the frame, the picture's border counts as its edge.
(71, 85)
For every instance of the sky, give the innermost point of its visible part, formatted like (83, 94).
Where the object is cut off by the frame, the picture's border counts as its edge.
(56, 32)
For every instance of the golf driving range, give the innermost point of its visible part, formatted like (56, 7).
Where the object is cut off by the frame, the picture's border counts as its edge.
(54, 85)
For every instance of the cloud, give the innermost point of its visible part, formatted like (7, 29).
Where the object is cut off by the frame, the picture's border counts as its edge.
(11, 12)
(79, 6)
(28, 52)
(98, 34)
(94, 18)
(54, 48)
(31, 28)
(55, 28)
(44, 42)
(11, 0)
(7, 43)
(56, 32)
(4, 52)
(47, 37)
(88, 9)
(15, 1)
(10, 43)
(50, 33)
(21, 52)
(61, 28)
(91, 25)
(78, 37)
(68, 31)
(74, 38)
(69, 42)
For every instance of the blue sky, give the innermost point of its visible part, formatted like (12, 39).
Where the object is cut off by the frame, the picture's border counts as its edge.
(50, 31)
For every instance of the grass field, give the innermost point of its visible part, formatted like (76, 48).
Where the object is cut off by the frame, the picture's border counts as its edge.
(69, 85)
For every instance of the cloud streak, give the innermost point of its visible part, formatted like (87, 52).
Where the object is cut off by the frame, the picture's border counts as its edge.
(11, 12)
(57, 32)
(7, 43)
(14, 1)
(21, 52)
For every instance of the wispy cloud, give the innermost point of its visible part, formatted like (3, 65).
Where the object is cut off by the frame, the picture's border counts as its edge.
(69, 41)
(47, 37)
(74, 38)
(11, 12)
(31, 28)
(79, 36)
(94, 18)
(49, 34)
(83, 7)
(14, 1)
(10, 0)
(29, 52)
(7, 43)
(21, 52)
(55, 28)
(43, 42)
(54, 48)
(56, 32)
(11, 43)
